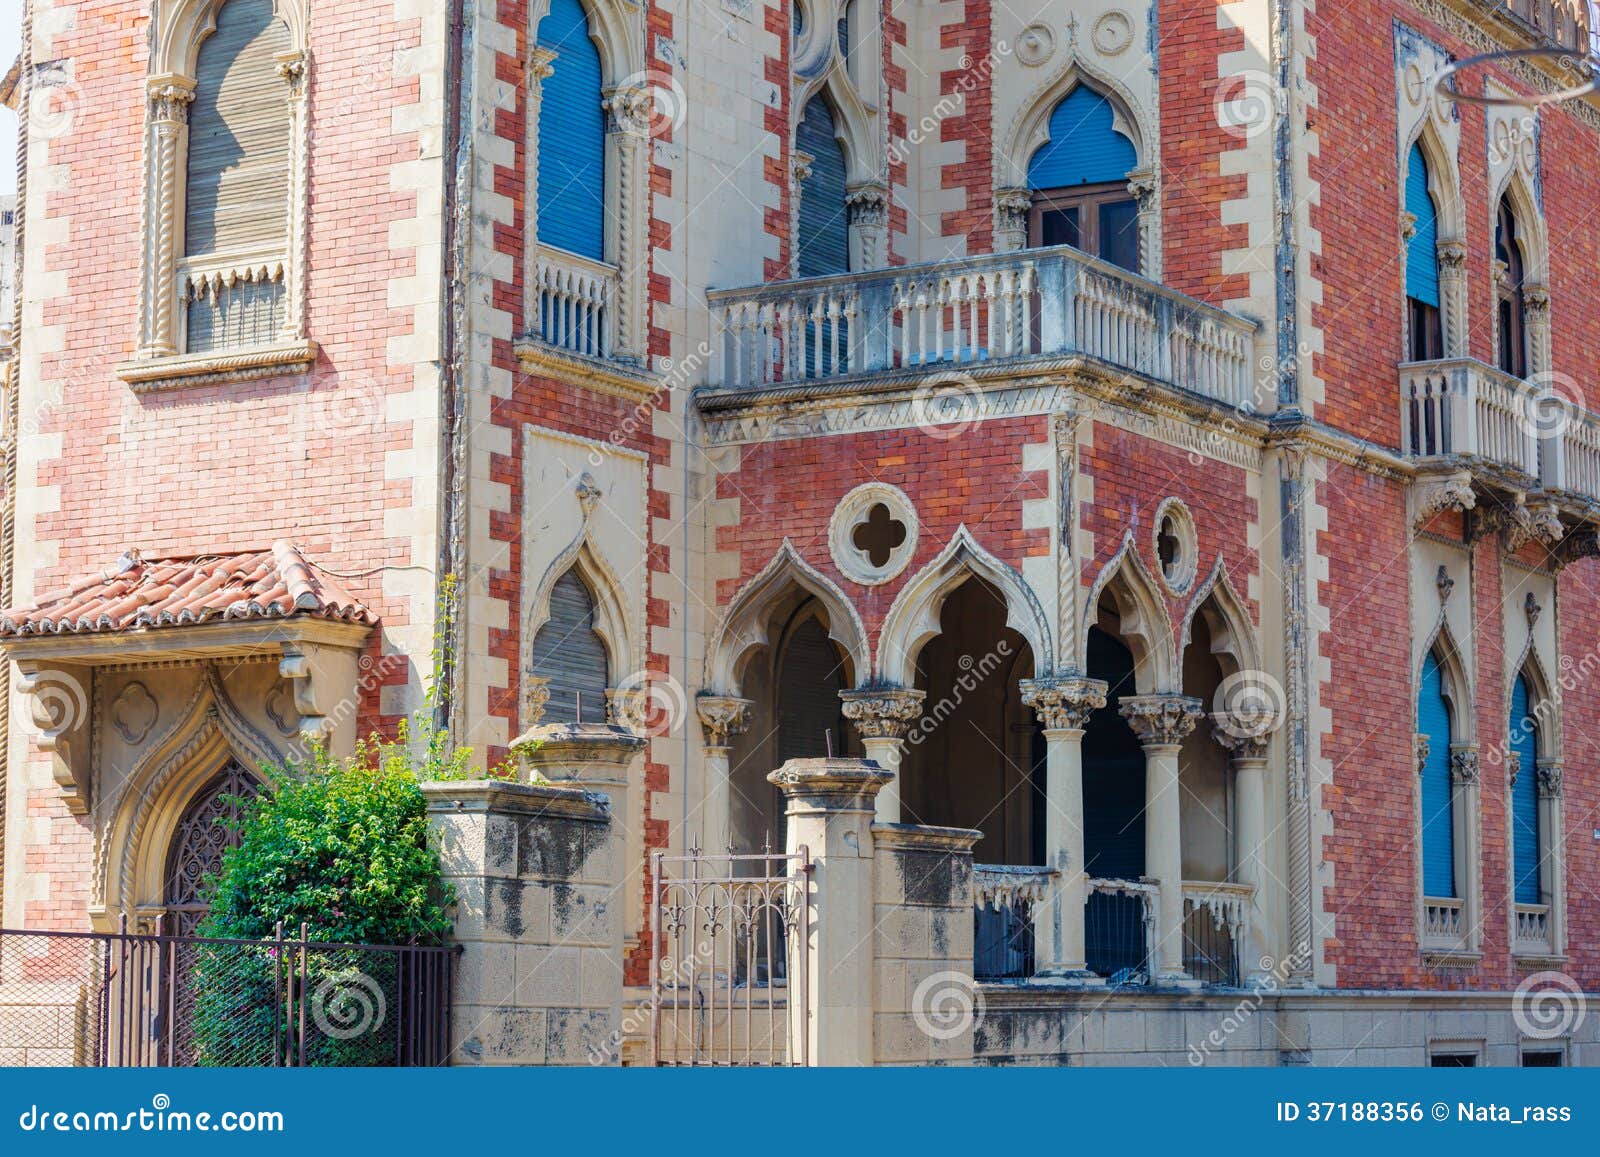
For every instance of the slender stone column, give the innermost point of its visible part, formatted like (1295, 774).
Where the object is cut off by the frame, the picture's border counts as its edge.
(1064, 706)
(1162, 722)
(721, 718)
(166, 153)
(882, 719)
(1552, 821)
(1248, 752)
(830, 806)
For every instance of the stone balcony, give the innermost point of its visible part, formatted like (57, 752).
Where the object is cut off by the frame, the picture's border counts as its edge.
(1513, 455)
(1030, 310)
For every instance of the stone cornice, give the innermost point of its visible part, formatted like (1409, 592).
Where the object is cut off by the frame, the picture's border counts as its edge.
(503, 797)
(263, 638)
(150, 375)
(614, 378)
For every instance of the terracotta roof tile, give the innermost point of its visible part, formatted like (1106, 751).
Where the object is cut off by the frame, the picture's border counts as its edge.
(137, 593)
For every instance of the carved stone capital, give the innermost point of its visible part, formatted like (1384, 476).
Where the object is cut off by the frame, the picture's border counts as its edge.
(1452, 257)
(1422, 749)
(1578, 545)
(1519, 524)
(170, 98)
(1513, 767)
(1535, 302)
(1142, 186)
(291, 69)
(1240, 738)
(883, 714)
(1162, 720)
(1464, 767)
(868, 204)
(1064, 704)
(1408, 227)
(1440, 492)
(535, 697)
(541, 64)
(800, 163)
(1549, 780)
(722, 717)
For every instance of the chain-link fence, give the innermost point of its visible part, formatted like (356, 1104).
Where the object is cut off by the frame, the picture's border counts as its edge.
(134, 1000)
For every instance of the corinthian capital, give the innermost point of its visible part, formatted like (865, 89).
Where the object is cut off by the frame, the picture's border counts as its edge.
(722, 717)
(1549, 780)
(885, 714)
(1464, 767)
(1162, 720)
(1064, 704)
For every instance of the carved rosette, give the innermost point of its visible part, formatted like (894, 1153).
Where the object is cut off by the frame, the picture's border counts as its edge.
(1464, 768)
(1549, 780)
(886, 714)
(1064, 704)
(1422, 750)
(721, 718)
(1162, 720)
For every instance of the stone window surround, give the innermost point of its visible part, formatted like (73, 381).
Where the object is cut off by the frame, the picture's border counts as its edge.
(851, 512)
(159, 362)
(1464, 950)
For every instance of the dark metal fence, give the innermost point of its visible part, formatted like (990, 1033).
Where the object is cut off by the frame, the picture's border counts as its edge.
(731, 971)
(1117, 930)
(133, 1000)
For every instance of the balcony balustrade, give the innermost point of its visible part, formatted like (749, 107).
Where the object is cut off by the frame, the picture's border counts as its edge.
(955, 315)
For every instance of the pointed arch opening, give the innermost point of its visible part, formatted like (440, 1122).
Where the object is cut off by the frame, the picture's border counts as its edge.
(569, 668)
(1078, 179)
(1510, 280)
(1126, 604)
(1424, 308)
(823, 243)
(1527, 846)
(571, 133)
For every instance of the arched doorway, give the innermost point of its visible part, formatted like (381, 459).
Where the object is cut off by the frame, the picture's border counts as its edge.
(1115, 941)
(209, 828)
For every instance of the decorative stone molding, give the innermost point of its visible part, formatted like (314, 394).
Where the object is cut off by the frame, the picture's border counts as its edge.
(1162, 720)
(242, 365)
(867, 205)
(1550, 776)
(1513, 767)
(1064, 704)
(1532, 609)
(882, 714)
(57, 699)
(1239, 742)
(134, 713)
(535, 698)
(1464, 767)
(1444, 583)
(1436, 493)
(722, 717)
(1012, 207)
(1421, 749)
(851, 515)
(1577, 545)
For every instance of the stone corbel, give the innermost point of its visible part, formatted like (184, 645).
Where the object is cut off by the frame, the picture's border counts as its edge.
(326, 695)
(1578, 545)
(1011, 207)
(1539, 522)
(1433, 494)
(57, 698)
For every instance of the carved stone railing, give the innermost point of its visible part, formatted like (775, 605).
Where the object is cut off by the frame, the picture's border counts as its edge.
(1120, 928)
(1442, 924)
(1569, 457)
(574, 304)
(1469, 409)
(1003, 897)
(1034, 303)
(1563, 22)
(1532, 930)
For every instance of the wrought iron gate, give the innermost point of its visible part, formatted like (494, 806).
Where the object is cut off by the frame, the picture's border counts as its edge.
(729, 986)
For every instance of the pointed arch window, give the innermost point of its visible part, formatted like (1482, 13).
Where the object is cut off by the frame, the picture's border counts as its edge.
(569, 656)
(572, 135)
(1438, 796)
(1079, 182)
(1510, 302)
(824, 236)
(1526, 845)
(1425, 329)
(207, 830)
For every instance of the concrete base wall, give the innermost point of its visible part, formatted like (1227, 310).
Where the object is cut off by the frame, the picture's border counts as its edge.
(1032, 1024)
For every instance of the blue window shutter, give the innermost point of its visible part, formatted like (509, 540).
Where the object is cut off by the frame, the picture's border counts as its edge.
(1083, 148)
(824, 228)
(1422, 252)
(1438, 805)
(1525, 798)
(572, 137)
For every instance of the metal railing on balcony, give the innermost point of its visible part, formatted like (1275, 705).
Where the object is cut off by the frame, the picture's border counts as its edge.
(1465, 407)
(1216, 919)
(958, 313)
(1120, 928)
(1003, 898)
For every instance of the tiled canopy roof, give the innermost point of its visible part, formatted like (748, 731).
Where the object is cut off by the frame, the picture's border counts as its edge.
(135, 593)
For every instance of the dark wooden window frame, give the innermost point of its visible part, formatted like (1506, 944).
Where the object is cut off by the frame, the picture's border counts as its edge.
(1087, 200)
(1510, 307)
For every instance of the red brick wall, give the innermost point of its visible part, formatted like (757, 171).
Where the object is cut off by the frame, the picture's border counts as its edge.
(1579, 680)
(972, 126)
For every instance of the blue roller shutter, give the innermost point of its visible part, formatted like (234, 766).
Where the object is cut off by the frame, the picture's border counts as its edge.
(569, 653)
(1083, 148)
(1438, 804)
(1422, 252)
(824, 227)
(572, 137)
(1525, 798)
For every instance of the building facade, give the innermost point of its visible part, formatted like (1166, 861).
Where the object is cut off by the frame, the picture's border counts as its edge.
(1161, 435)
